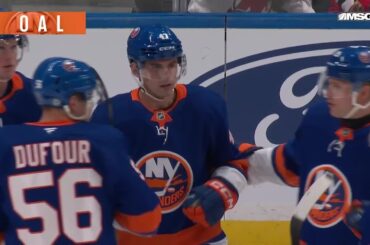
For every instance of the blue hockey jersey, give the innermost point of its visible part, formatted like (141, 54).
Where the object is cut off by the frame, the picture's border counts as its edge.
(19, 105)
(65, 182)
(322, 144)
(176, 149)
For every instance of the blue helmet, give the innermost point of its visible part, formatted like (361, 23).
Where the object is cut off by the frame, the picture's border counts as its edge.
(153, 42)
(351, 64)
(57, 79)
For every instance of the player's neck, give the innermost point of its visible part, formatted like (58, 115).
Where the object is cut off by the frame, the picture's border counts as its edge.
(356, 123)
(50, 114)
(154, 104)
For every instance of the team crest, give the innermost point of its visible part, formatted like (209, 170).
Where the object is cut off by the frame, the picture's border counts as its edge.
(69, 65)
(334, 202)
(169, 175)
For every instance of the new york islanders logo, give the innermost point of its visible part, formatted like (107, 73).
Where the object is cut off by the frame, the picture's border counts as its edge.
(169, 175)
(332, 205)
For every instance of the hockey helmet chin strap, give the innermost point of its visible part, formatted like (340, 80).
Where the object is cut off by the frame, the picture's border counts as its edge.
(145, 91)
(83, 117)
(356, 106)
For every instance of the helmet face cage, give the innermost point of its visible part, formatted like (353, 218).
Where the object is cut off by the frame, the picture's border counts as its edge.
(22, 43)
(57, 79)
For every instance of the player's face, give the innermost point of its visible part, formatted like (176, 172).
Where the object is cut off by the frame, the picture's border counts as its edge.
(160, 77)
(80, 107)
(8, 58)
(339, 97)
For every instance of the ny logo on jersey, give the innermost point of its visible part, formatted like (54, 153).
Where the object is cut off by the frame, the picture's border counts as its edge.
(162, 131)
(157, 169)
(336, 145)
(169, 175)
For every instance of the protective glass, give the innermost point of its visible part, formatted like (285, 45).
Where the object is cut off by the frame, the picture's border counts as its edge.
(89, 100)
(336, 88)
(163, 71)
(15, 45)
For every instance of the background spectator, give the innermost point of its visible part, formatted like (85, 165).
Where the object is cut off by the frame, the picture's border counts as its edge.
(292, 6)
(153, 6)
(289, 6)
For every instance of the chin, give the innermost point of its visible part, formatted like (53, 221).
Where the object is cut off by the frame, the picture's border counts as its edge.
(336, 114)
(5, 78)
(168, 92)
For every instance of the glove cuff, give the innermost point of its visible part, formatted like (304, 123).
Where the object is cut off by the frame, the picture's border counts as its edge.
(226, 191)
(232, 177)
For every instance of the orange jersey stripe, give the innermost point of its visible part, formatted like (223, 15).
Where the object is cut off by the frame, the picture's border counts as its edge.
(17, 85)
(245, 147)
(53, 123)
(289, 177)
(241, 165)
(181, 94)
(196, 234)
(143, 223)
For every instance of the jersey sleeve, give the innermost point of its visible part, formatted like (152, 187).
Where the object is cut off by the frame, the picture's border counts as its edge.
(225, 161)
(280, 164)
(222, 150)
(3, 222)
(285, 164)
(287, 157)
(3, 216)
(365, 223)
(100, 114)
(137, 206)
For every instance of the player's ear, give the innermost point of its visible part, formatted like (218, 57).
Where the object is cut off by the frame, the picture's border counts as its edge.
(134, 69)
(73, 100)
(364, 94)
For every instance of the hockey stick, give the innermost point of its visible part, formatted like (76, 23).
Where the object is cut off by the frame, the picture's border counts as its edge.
(306, 203)
(161, 193)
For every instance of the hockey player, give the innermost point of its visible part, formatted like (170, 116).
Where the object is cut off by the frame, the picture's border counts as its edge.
(63, 181)
(178, 136)
(334, 136)
(15, 88)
